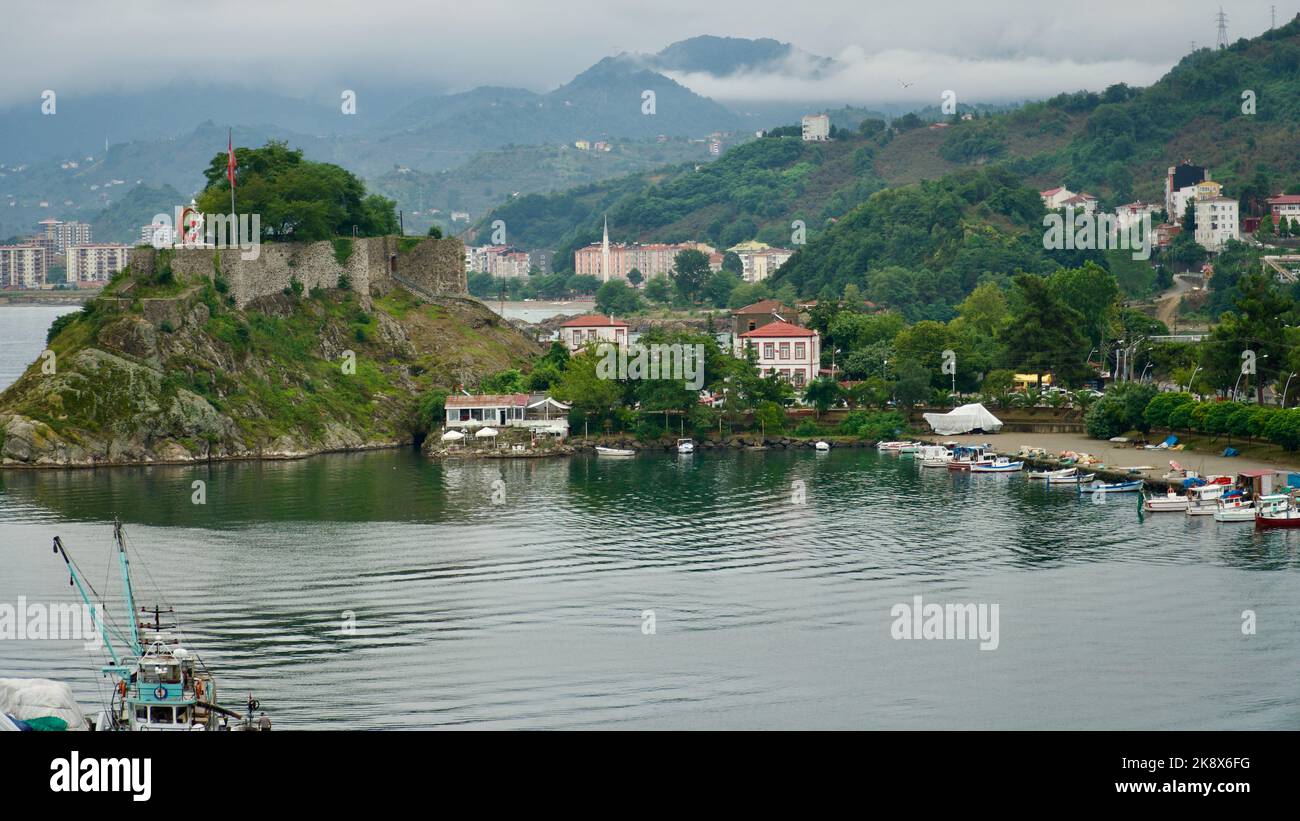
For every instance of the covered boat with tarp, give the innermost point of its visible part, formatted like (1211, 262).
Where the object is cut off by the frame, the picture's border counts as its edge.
(973, 418)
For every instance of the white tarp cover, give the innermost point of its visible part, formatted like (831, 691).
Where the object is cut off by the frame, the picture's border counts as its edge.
(28, 698)
(963, 419)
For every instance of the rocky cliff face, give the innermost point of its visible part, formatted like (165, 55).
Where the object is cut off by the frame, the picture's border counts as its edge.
(166, 369)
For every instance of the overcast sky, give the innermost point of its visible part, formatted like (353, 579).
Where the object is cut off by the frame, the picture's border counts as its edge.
(993, 49)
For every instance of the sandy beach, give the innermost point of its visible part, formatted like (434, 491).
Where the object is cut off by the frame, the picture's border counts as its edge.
(1115, 456)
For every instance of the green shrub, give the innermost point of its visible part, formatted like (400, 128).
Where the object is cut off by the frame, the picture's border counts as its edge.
(1161, 405)
(342, 249)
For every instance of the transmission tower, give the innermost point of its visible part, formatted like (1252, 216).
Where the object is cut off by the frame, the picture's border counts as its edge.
(1222, 20)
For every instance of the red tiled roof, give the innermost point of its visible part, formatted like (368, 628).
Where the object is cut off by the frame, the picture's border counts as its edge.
(1049, 192)
(593, 321)
(764, 306)
(488, 400)
(1285, 199)
(778, 329)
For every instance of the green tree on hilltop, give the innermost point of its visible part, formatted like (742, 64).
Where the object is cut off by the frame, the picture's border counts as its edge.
(297, 199)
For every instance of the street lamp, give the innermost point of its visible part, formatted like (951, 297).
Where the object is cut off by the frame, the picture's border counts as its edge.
(1193, 379)
(1238, 382)
(1143, 377)
(1284, 390)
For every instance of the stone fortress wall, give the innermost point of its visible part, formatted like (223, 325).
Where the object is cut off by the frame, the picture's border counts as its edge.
(424, 266)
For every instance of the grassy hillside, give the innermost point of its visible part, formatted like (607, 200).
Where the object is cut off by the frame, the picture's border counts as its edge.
(166, 370)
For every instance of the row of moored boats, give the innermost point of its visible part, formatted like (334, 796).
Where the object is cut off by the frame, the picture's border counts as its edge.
(1215, 496)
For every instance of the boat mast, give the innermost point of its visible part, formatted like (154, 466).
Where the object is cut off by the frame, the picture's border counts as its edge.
(94, 612)
(125, 564)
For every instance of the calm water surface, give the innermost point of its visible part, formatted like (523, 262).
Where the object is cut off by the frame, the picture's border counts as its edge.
(768, 613)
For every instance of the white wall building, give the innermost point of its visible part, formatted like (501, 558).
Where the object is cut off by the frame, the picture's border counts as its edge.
(22, 266)
(1216, 222)
(96, 263)
(816, 127)
(791, 352)
(593, 329)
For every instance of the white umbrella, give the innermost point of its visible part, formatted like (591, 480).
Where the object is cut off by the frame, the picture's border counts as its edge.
(486, 433)
(452, 436)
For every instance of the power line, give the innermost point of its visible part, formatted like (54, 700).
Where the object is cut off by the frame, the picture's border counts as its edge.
(1222, 20)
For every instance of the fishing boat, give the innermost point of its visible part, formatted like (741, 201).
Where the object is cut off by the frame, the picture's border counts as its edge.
(685, 445)
(891, 447)
(1132, 486)
(966, 456)
(910, 449)
(822, 446)
(1235, 507)
(603, 451)
(999, 465)
(1276, 511)
(1171, 502)
(1074, 478)
(1203, 500)
(158, 684)
(1048, 475)
(934, 456)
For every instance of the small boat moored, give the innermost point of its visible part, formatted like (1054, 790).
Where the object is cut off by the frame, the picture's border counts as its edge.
(1277, 511)
(822, 445)
(603, 451)
(999, 465)
(1171, 502)
(685, 445)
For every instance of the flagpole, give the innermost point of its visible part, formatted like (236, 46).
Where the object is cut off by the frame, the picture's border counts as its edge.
(230, 141)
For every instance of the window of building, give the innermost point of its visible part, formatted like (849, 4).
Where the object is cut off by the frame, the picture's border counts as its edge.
(785, 350)
(769, 350)
(799, 351)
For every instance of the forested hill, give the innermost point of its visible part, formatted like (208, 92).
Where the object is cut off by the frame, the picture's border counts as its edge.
(922, 248)
(754, 190)
(1116, 144)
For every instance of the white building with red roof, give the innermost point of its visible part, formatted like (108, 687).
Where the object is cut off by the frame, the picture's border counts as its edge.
(1055, 198)
(791, 352)
(498, 409)
(1284, 205)
(592, 329)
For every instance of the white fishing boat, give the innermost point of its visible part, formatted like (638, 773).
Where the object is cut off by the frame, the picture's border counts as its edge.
(603, 451)
(1204, 500)
(891, 447)
(156, 683)
(1277, 511)
(1048, 475)
(1131, 486)
(1234, 508)
(1074, 478)
(822, 446)
(685, 445)
(966, 456)
(999, 465)
(934, 456)
(1171, 502)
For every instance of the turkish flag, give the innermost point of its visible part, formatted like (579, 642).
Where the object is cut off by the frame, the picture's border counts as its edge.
(231, 165)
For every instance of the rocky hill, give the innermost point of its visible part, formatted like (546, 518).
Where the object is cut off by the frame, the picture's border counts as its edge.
(169, 367)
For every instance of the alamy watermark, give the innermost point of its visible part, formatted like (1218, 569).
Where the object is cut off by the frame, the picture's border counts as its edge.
(684, 363)
(37, 621)
(192, 229)
(919, 620)
(1090, 231)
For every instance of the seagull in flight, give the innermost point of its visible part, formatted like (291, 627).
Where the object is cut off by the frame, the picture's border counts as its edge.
(905, 85)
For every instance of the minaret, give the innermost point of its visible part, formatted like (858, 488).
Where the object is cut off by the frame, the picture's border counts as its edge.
(604, 253)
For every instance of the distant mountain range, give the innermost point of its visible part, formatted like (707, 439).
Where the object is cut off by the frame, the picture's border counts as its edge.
(57, 166)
